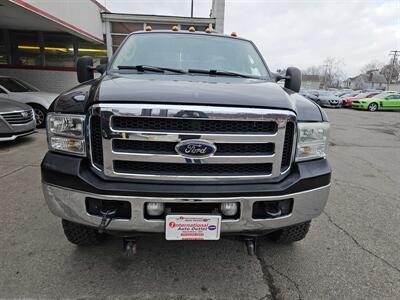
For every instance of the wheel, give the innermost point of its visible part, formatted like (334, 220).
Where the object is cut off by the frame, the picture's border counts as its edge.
(373, 106)
(291, 234)
(80, 234)
(40, 115)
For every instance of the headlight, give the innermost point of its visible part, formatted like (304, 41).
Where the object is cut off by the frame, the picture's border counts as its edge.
(312, 141)
(66, 133)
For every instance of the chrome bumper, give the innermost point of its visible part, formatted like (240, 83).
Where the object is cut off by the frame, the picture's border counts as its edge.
(70, 205)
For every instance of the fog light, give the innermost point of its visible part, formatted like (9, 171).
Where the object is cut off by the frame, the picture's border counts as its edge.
(229, 209)
(155, 209)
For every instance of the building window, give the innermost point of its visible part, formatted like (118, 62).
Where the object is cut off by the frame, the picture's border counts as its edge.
(97, 51)
(58, 50)
(3, 49)
(47, 49)
(26, 48)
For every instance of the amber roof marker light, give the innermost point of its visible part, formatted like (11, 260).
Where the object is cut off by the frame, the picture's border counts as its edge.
(148, 28)
(234, 34)
(175, 28)
(192, 29)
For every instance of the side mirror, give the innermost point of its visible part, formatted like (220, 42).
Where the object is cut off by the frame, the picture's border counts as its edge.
(84, 69)
(101, 68)
(293, 79)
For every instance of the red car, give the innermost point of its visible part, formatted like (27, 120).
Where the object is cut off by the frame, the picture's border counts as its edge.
(347, 102)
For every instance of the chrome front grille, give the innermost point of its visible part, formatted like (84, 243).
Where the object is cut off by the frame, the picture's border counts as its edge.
(234, 149)
(18, 117)
(137, 141)
(192, 125)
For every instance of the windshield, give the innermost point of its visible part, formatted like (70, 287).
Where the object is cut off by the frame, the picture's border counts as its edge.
(16, 86)
(191, 51)
(351, 94)
(363, 95)
(381, 95)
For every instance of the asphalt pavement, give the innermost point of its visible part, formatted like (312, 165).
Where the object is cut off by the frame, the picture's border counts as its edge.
(351, 251)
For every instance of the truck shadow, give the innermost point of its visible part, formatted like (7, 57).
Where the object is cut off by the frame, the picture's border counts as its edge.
(179, 268)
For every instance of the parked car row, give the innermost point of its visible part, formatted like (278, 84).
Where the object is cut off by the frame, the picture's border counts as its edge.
(383, 101)
(371, 100)
(23, 107)
(323, 98)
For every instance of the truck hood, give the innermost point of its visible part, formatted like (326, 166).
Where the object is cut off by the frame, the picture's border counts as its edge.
(203, 90)
(184, 89)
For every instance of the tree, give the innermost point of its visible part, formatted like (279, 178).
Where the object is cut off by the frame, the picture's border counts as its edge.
(333, 72)
(391, 71)
(373, 65)
(313, 70)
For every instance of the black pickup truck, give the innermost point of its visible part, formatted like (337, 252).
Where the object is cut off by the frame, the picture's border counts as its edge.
(187, 135)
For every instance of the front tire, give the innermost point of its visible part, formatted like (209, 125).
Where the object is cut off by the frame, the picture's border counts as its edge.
(373, 106)
(40, 115)
(81, 235)
(291, 234)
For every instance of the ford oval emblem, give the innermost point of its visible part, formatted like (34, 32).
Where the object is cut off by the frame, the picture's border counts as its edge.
(195, 149)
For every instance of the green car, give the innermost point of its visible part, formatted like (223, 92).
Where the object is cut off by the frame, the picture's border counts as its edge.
(382, 101)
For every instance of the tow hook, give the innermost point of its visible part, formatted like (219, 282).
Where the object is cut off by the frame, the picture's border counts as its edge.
(129, 246)
(107, 217)
(250, 245)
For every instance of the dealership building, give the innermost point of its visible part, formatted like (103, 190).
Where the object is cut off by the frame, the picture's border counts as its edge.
(40, 41)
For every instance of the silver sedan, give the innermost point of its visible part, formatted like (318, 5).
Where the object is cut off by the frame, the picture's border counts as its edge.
(328, 99)
(16, 119)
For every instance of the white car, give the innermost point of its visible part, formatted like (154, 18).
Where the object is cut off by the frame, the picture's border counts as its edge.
(20, 91)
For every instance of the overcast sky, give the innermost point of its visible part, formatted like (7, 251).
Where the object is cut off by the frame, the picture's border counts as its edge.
(298, 33)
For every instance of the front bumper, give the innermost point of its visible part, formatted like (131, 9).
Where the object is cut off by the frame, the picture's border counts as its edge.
(68, 181)
(70, 205)
(330, 105)
(11, 132)
(359, 106)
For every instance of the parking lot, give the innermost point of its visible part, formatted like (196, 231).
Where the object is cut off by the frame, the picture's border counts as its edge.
(352, 250)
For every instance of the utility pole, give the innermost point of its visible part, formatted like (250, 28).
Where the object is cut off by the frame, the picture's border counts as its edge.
(393, 53)
(191, 10)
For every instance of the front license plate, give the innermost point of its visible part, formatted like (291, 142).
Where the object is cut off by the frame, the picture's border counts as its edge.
(192, 227)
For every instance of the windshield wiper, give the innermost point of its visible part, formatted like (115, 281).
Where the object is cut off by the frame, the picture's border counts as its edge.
(143, 68)
(221, 73)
